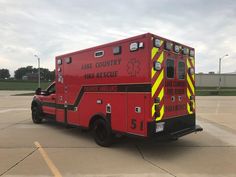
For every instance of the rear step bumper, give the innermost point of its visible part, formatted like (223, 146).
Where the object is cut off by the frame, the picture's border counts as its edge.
(174, 127)
(186, 131)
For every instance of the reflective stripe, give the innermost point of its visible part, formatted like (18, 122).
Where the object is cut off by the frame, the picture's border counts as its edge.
(153, 109)
(188, 108)
(188, 93)
(190, 84)
(154, 52)
(161, 94)
(188, 63)
(157, 82)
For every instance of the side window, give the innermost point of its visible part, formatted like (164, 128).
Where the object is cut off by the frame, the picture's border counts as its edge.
(51, 89)
(170, 68)
(181, 70)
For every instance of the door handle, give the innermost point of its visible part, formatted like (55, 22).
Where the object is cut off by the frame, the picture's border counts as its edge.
(173, 98)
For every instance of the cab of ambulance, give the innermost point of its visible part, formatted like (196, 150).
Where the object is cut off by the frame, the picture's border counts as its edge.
(43, 104)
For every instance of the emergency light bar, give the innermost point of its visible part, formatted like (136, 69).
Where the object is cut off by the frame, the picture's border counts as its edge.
(59, 61)
(177, 48)
(133, 46)
(157, 43)
(185, 51)
(191, 54)
(168, 46)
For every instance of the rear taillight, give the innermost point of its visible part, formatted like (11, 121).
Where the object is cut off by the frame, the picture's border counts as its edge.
(157, 107)
(191, 103)
(157, 110)
(191, 106)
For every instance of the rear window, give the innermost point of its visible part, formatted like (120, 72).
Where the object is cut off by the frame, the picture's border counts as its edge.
(181, 70)
(170, 68)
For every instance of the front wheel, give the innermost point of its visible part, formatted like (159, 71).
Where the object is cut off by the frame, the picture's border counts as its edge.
(102, 133)
(36, 115)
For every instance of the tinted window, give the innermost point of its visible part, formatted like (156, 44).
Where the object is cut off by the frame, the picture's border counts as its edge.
(51, 89)
(181, 70)
(170, 68)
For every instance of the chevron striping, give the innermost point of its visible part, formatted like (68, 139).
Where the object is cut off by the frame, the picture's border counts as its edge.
(157, 82)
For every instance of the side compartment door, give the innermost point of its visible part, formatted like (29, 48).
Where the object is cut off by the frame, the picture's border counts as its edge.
(136, 113)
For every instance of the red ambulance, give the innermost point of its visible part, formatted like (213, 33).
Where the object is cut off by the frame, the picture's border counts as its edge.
(143, 85)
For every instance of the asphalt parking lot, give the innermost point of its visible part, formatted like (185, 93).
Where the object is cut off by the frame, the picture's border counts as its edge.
(50, 149)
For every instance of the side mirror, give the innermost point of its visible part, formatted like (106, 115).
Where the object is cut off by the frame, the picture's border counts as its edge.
(38, 91)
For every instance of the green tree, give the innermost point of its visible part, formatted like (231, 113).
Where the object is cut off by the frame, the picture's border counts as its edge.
(20, 72)
(4, 74)
(45, 74)
(52, 75)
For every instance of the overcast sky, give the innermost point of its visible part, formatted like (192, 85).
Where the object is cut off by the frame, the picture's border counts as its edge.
(53, 27)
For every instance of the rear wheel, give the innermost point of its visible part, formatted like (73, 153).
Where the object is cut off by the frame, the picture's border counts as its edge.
(36, 115)
(102, 133)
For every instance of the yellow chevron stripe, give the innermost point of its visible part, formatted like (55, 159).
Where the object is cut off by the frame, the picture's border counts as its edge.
(157, 82)
(160, 60)
(192, 60)
(190, 84)
(161, 113)
(161, 94)
(154, 51)
(153, 109)
(188, 93)
(188, 63)
(188, 108)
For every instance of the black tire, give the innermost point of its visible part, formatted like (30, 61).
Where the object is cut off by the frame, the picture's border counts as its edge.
(36, 115)
(102, 133)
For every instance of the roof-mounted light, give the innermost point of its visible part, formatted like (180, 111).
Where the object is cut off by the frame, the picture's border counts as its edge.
(185, 51)
(191, 71)
(133, 46)
(191, 53)
(168, 45)
(157, 43)
(177, 48)
(59, 61)
(141, 45)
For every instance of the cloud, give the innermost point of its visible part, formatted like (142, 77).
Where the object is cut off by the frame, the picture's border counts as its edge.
(50, 28)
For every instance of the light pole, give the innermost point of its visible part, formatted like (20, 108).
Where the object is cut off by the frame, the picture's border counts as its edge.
(38, 70)
(220, 70)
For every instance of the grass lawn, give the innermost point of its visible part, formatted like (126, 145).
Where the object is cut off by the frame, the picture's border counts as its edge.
(21, 85)
(222, 92)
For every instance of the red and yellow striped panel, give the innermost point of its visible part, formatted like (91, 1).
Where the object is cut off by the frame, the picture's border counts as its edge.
(157, 77)
(191, 83)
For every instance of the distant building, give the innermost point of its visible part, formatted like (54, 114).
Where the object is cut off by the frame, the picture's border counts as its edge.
(212, 80)
(30, 77)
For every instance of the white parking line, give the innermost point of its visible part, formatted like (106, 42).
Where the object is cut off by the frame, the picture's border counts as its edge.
(14, 109)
